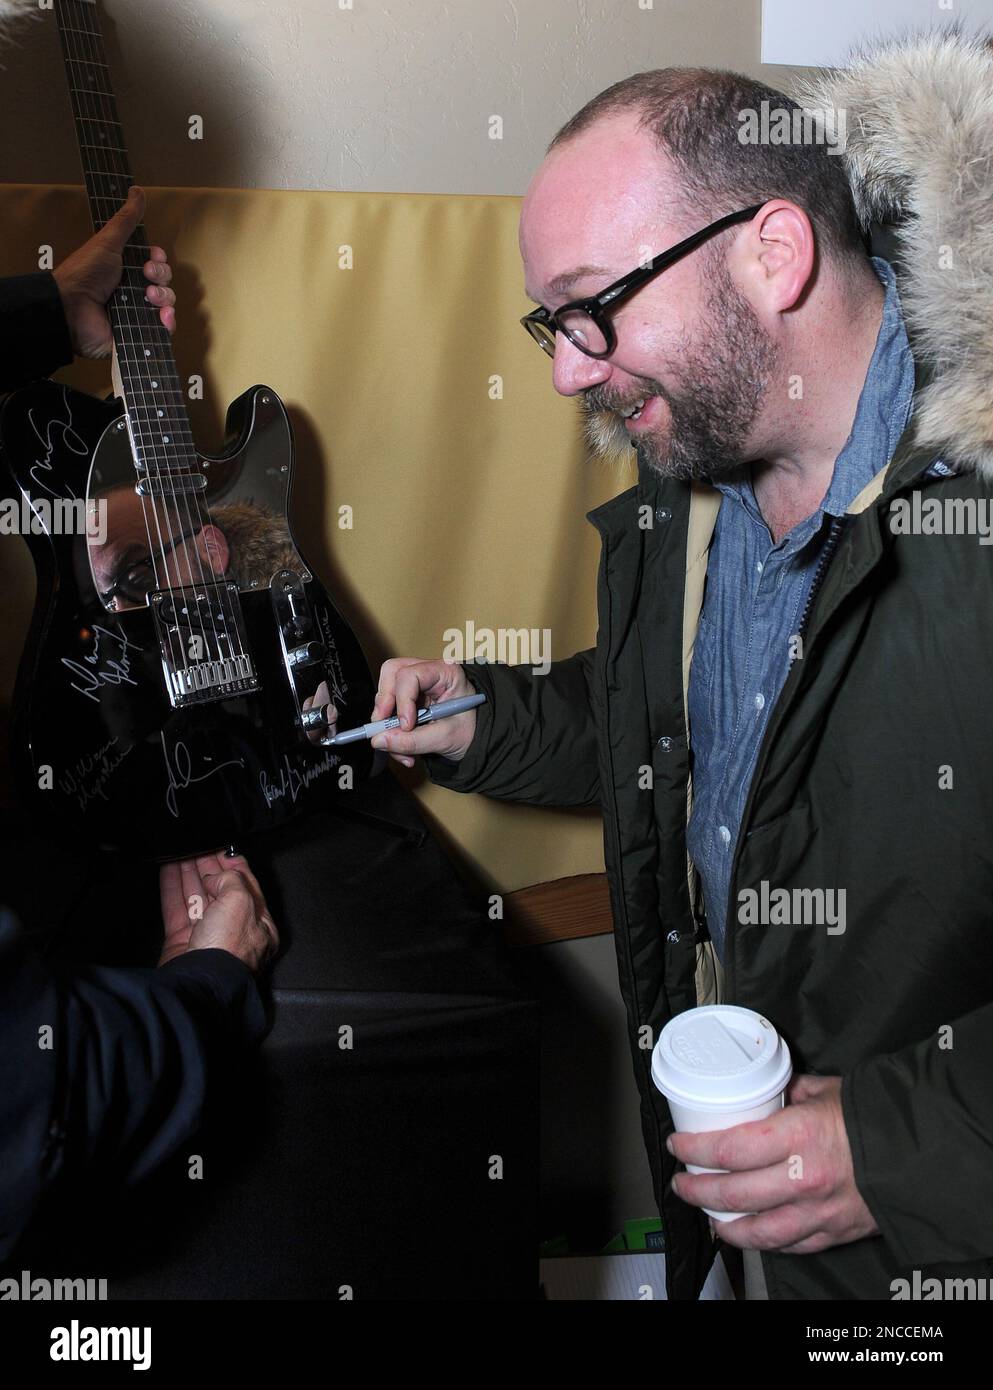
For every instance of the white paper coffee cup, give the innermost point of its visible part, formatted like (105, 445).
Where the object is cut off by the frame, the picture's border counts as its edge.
(720, 1066)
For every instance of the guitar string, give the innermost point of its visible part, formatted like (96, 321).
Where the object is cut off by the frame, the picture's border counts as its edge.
(134, 324)
(229, 620)
(116, 155)
(75, 54)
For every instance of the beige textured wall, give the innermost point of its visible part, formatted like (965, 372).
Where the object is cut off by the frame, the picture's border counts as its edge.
(388, 95)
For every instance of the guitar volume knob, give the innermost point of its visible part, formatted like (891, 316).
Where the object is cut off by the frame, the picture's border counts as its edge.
(306, 655)
(315, 720)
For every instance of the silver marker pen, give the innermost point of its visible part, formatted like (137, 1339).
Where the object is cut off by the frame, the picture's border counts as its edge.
(442, 710)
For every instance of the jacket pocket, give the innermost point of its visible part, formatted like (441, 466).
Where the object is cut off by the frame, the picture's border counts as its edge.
(775, 848)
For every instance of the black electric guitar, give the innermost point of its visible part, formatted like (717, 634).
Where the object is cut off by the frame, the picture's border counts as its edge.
(172, 692)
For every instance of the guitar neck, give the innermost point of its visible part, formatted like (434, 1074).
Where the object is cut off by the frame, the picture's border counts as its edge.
(156, 408)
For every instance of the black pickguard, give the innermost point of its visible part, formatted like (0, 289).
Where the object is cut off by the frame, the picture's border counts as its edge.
(97, 744)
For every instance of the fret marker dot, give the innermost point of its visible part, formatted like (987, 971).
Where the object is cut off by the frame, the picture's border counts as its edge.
(148, 352)
(160, 413)
(165, 439)
(155, 383)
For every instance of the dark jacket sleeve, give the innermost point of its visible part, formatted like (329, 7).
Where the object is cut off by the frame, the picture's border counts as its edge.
(535, 737)
(920, 1126)
(108, 1067)
(34, 335)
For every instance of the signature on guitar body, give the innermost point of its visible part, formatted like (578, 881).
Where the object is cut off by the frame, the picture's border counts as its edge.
(180, 770)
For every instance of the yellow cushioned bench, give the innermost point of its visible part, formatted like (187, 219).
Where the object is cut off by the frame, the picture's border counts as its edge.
(388, 324)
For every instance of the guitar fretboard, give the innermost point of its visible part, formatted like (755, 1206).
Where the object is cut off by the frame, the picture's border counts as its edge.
(153, 393)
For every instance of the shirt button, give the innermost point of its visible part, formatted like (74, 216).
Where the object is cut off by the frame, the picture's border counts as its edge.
(725, 835)
(759, 700)
(758, 566)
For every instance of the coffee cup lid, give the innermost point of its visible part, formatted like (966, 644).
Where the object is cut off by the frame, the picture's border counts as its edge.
(720, 1055)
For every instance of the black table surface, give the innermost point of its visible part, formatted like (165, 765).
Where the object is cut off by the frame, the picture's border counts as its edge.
(383, 1143)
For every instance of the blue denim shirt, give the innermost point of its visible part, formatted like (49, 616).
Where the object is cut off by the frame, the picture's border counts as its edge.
(753, 604)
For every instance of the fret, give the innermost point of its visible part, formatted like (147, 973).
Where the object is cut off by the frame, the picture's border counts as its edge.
(142, 419)
(137, 349)
(159, 370)
(116, 176)
(138, 374)
(148, 336)
(150, 456)
(83, 73)
(84, 121)
(170, 457)
(170, 460)
(152, 426)
(146, 418)
(182, 455)
(154, 397)
(112, 166)
(148, 391)
(176, 402)
(160, 392)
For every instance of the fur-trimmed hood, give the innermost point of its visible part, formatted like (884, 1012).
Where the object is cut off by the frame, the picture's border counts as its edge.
(919, 156)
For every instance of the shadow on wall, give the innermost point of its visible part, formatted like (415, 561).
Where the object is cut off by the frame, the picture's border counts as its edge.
(157, 93)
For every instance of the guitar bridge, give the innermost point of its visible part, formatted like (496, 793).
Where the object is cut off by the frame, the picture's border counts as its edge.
(202, 640)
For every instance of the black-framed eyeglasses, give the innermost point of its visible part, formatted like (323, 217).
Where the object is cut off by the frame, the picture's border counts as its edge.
(136, 579)
(586, 323)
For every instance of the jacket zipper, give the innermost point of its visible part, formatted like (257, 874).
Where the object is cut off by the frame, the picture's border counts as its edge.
(834, 535)
(831, 543)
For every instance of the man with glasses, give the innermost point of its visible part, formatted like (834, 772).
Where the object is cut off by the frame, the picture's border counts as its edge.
(759, 713)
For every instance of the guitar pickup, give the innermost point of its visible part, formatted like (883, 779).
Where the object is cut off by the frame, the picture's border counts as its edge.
(170, 484)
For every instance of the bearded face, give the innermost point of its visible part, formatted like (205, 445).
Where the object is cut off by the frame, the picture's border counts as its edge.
(718, 382)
